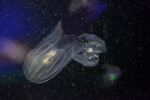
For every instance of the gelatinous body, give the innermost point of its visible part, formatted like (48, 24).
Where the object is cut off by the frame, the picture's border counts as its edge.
(93, 46)
(49, 57)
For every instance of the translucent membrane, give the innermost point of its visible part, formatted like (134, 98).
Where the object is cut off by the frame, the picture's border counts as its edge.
(49, 57)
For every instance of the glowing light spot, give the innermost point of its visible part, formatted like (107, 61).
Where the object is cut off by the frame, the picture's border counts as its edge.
(52, 53)
(46, 60)
(112, 77)
(49, 57)
(90, 50)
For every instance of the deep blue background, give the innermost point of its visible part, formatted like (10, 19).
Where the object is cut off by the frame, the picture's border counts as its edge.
(121, 25)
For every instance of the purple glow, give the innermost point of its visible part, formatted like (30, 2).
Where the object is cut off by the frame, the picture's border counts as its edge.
(97, 8)
(12, 50)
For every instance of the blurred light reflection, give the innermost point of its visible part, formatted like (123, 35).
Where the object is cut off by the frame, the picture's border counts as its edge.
(11, 50)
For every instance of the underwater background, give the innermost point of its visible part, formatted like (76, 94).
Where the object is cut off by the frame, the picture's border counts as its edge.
(120, 23)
